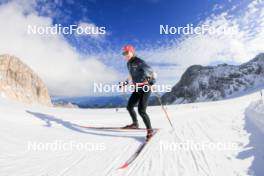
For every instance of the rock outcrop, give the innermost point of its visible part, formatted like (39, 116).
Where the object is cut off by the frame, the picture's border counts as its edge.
(19, 82)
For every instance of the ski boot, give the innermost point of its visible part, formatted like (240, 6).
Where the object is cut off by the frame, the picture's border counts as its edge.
(131, 126)
(150, 133)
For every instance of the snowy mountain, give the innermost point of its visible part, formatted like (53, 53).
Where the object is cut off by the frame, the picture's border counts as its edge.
(212, 138)
(210, 83)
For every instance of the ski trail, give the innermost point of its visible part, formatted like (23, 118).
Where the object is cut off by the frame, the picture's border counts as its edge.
(190, 162)
(110, 159)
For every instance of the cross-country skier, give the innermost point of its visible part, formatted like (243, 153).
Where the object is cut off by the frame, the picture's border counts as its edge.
(141, 76)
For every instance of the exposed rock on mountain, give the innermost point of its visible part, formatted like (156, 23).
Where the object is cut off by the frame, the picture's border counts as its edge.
(210, 83)
(19, 82)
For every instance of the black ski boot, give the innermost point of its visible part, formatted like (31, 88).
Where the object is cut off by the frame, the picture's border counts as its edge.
(131, 126)
(150, 133)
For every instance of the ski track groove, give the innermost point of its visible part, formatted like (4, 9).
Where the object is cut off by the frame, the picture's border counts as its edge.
(189, 127)
(203, 131)
(71, 166)
(206, 162)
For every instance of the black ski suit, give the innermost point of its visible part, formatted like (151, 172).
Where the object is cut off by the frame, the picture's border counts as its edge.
(140, 72)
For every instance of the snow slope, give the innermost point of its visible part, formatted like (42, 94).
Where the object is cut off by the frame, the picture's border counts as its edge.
(255, 124)
(255, 113)
(211, 124)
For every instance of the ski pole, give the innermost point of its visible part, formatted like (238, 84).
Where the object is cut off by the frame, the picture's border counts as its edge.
(165, 111)
(261, 96)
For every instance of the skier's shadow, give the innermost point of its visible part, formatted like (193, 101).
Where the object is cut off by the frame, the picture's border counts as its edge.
(49, 120)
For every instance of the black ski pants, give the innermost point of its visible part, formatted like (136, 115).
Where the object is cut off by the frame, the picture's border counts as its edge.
(141, 97)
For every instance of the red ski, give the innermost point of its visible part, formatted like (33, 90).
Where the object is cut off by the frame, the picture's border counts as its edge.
(138, 151)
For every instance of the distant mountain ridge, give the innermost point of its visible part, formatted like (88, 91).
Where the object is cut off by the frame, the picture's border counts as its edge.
(116, 101)
(91, 102)
(210, 83)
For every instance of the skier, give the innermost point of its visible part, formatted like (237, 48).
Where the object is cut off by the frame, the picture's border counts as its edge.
(141, 76)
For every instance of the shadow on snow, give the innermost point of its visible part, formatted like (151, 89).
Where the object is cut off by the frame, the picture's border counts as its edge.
(49, 120)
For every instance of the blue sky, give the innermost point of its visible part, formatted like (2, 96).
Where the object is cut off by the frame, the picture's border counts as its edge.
(130, 21)
(70, 64)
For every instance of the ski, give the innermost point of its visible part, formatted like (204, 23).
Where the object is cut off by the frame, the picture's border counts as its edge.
(113, 128)
(138, 151)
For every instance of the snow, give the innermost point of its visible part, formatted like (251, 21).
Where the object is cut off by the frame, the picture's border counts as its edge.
(255, 126)
(255, 113)
(60, 141)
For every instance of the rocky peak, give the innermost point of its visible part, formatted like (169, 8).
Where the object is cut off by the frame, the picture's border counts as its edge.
(19, 82)
(209, 83)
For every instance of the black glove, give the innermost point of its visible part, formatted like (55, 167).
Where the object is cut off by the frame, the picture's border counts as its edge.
(121, 84)
(151, 81)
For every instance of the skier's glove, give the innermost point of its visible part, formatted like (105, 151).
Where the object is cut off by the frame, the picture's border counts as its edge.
(152, 80)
